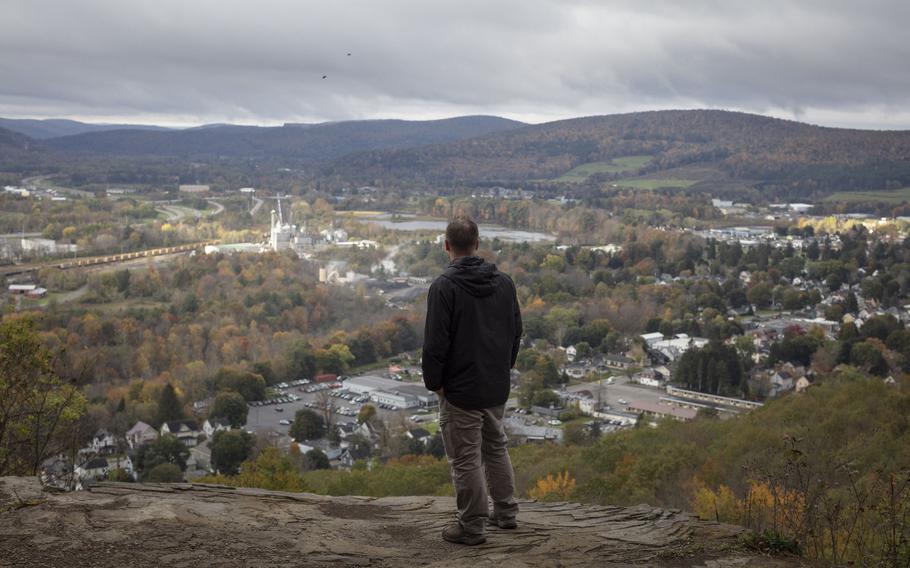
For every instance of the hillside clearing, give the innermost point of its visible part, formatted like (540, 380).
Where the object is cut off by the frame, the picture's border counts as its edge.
(643, 183)
(581, 173)
(886, 196)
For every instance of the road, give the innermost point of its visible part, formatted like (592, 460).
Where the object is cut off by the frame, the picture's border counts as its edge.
(73, 295)
(256, 206)
(41, 182)
(18, 235)
(178, 212)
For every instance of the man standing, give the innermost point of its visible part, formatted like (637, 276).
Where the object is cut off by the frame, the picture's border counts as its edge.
(471, 340)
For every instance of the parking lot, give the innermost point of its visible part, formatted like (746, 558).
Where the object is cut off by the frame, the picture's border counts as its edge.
(277, 414)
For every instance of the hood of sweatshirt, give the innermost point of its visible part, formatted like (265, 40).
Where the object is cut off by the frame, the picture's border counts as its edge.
(474, 275)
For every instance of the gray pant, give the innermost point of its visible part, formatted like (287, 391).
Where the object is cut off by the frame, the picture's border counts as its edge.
(478, 452)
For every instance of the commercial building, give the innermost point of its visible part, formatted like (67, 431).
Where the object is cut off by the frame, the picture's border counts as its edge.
(389, 391)
(191, 188)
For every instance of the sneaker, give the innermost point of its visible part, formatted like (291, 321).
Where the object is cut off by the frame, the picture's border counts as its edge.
(502, 522)
(455, 533)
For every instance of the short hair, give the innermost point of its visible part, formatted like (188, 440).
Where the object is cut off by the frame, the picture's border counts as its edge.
(462, 234)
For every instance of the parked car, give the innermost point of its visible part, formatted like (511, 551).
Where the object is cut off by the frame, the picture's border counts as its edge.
(279, 409)
(284, 422)
(622, 401)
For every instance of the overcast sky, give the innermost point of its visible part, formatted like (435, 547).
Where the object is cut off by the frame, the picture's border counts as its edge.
(187, 62)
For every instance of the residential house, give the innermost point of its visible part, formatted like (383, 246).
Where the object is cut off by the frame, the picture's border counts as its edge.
(577, 370)
(780, 383)
(199, 462)
(618, 362)
(187, 431)
(121, 462)
(141, 433)
(648, 377)
(103, 442)
(339, 458)
(419, 434)
(95, 469)
(213, 425)
(346, 429)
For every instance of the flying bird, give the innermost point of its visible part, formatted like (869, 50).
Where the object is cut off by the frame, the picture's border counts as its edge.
(324, 76)
(349, 55)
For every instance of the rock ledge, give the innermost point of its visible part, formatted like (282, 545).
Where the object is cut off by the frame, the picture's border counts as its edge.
(195, 525)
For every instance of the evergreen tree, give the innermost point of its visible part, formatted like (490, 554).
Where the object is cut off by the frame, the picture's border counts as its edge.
(169, 407)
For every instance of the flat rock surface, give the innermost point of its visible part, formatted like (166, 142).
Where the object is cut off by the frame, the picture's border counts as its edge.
(196, 526)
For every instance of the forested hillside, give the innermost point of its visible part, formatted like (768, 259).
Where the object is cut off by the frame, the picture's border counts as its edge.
(298, 142)
(13, 141)
(737, 145)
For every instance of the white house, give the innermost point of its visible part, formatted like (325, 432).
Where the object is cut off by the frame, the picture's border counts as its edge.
(103, 442)
(187, 431)
(141, 433)
(213, 425)
(780, 383)
(93, 469)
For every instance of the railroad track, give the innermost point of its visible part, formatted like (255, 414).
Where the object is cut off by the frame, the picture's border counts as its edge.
(103, 259)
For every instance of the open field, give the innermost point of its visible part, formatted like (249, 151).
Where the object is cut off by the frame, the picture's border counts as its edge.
(892, 196)
(643, 183)
(581, 173)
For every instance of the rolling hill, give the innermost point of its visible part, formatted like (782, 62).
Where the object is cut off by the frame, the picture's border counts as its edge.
(735, 146)
(55, 127)
(298, 142)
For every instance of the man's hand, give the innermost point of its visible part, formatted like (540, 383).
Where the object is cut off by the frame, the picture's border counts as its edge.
(440, 393)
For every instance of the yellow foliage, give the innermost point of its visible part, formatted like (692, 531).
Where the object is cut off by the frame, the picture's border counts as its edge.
(721, 505)
(560, 487)
(765, 506)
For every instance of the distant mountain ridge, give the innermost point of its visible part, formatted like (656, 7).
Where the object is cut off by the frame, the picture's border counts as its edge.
(712, 150)
(306, 143)
(41, 129)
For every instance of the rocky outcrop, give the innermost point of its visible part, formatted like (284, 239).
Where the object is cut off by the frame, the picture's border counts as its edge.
(196, 526)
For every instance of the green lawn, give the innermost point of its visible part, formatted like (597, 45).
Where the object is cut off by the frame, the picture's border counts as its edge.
(641, 183)
(581, 173)
(893, 196)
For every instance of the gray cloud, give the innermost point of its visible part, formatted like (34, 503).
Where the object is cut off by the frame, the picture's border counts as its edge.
(172, 61)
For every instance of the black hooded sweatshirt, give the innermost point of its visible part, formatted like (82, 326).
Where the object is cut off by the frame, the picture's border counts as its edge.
(472, 334)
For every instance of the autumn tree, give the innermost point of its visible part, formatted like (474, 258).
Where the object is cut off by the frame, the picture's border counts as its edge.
(249, 385)
(229, 450)
(164, 449)
(230, 407)
(36, 406)
(308, 425)
(316, 459)
(165, 473)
